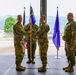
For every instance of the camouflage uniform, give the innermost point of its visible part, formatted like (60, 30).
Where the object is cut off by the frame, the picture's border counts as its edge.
(34, 39)
(43, 42)
(69, 37)
(18, 35)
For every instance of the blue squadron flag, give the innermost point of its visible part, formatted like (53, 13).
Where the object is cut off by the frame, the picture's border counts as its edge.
(56, 34)
(32, 17)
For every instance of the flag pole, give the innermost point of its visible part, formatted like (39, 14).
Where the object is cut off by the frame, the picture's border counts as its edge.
(24, 25)
(30, 36)
(24, 16)
(57, 57)
(32, 22)
(30, 40)
(57, 53)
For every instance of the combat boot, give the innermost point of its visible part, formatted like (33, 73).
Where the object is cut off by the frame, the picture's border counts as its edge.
(70, 69)
(66, 67)
(42, 69)
(20, 68)
(29, 61)
(33, 62)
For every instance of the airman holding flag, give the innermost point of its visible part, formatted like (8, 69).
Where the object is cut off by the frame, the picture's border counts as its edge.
(31, 39)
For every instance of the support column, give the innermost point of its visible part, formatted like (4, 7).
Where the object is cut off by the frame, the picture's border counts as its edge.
(43, 8)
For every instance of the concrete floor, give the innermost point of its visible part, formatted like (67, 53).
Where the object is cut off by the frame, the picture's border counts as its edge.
(54, 66)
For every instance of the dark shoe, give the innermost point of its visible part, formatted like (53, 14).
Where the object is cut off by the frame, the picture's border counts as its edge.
(33, 62)
(65, 68)
(70, 69)
(28, 62)
(42, 69)
(20, 68)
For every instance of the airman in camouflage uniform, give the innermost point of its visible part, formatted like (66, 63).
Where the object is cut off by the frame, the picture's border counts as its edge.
(43, 43)
(18, 36)
(34, 39)
(69, 38)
